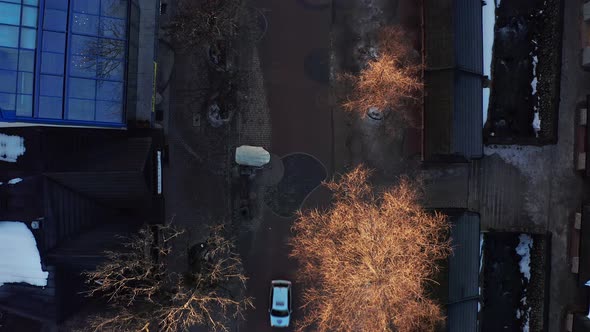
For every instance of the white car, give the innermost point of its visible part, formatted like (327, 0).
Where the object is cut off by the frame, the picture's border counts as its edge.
(280, 303)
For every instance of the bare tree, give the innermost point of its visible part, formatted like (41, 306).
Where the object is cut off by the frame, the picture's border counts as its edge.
(368, 259)
(390, 79)
(145, 295)
(204, 21)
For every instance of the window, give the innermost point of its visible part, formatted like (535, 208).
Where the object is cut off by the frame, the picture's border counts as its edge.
(54, 41)
(8, 36)
(24, 105)
(25, 83)
(85, 24)
(26, 60)
(8, 58)
(81, 109)
(112, 91)
(9, 13)
(55, 20)
(29, 16)
(82, 88)
(51, 85)
(107, 111)
(28, 38)
(114, 8)
(86, 7)
(52, 63)
(50, 107)
(57, 4)
(7, 101)
(7, 81)
(82, 66)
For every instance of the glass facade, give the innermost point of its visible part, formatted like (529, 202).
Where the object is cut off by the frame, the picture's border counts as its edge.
(64, 61)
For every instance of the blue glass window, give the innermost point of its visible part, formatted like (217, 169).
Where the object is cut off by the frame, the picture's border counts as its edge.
(28, 38)
(80, 109)
(55, 20)
(25, 82)
(86, 24)
(15, 1)
(82, 66)
(51, 85)
(8, 81)
(50, 107)
(31, 2)
(8, 36)
(111, 69)
(112, 28)
(107, 111)
(82, 45)
(112, 49)
(9, 13)
(30, 16)
(8, 58)
(24, 105)
(58, 4)
(54, 41)
(82, 88)
(26, 60)
(86, 6)
(52, 63)
(112, 91)
(114, 8)
(7, 101)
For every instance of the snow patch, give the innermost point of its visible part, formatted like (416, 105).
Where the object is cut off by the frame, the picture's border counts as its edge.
(536, 124)
(524, 251)
(534, 85)
(11, 147)
(488, 23)
(19, 257)
(14, 181)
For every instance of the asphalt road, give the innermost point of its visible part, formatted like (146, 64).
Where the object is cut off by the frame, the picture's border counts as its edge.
(294, 56)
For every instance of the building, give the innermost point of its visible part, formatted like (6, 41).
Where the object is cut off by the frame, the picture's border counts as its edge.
(75, 166)
(69, 62)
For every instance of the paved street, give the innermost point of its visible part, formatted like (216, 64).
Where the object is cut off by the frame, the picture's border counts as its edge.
(294, 60)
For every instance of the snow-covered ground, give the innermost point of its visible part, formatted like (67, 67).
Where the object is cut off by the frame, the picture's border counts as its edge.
(19, 257)
(11, 147)
(488, 23)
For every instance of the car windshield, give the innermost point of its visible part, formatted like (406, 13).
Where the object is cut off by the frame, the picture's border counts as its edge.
(279, 313)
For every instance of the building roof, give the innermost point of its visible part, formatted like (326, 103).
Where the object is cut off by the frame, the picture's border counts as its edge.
(453, 117)
(464, 273)
(79, 215)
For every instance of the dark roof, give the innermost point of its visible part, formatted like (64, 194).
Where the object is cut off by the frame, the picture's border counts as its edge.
(581, 323)
(467, 139)
(453, 117)
(80, 185)
(584, 264)
(468, 35)
(464, 274)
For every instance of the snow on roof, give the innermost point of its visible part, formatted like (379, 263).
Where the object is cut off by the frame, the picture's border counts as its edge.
(488, 23)
(524, 251)
(247, 155)
(11, 147)
(19, 257)
(15, 181)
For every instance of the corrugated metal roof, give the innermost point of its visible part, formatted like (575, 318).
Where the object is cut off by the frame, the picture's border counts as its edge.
(464, 274)
(467, 122)
(453, 51)
(468, 35)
